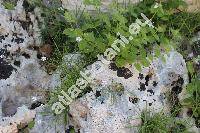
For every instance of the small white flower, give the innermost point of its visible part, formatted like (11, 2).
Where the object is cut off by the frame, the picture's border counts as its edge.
(44, 58)
(78, 39)
(156, 5)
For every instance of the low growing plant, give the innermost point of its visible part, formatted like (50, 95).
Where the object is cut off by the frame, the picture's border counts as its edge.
(161, 123)
(193, 99)
(10, 5)
(91, 33)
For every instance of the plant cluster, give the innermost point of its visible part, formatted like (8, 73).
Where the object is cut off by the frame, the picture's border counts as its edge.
(193, 99)
(91, 33)
(9, 4)
(161, 123)
(98, 31)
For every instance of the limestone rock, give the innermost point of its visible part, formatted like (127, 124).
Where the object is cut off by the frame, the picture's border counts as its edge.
(22, 117)
(23, 79)
(47, 122)
(111, 109)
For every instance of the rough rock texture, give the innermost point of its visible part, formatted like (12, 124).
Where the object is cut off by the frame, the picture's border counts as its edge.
(117, 100)
(20, 119)
(118, 97)
(46, 122)
(22, 77)
(23, 80)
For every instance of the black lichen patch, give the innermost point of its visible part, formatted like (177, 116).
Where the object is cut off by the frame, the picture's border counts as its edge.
(121, 71)
(27, 56)
(113, 67)
(151, 91)
(18, 40)
(5, 69)
(2, 38)
(177, 89)
(17, 63)
(35, 105)
(179, 82)
(124, 72)
(39, 56)
(142, 87)
(141, 76)
(174, 100)
(150, 104)
(155, 83)
(98, 93)
(177, 85)
(147, 78)
(133, 100)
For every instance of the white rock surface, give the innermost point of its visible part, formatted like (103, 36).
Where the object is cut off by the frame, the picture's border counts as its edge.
(22, 77)
(112, 111)
(23, 80)
(22, 117)
(109, 108)
(46, 122)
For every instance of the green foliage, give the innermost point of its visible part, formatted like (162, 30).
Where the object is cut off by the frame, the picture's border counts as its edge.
(92, 2)
(99, 31)
(160, 123)
(153, 124)
(31, 124)
(193, 99)
(9, 5)
(190, 67)
(187, 23)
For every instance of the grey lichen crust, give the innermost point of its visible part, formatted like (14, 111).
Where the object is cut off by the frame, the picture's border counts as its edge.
(117, 101)
(118, 95)
(23, 81)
